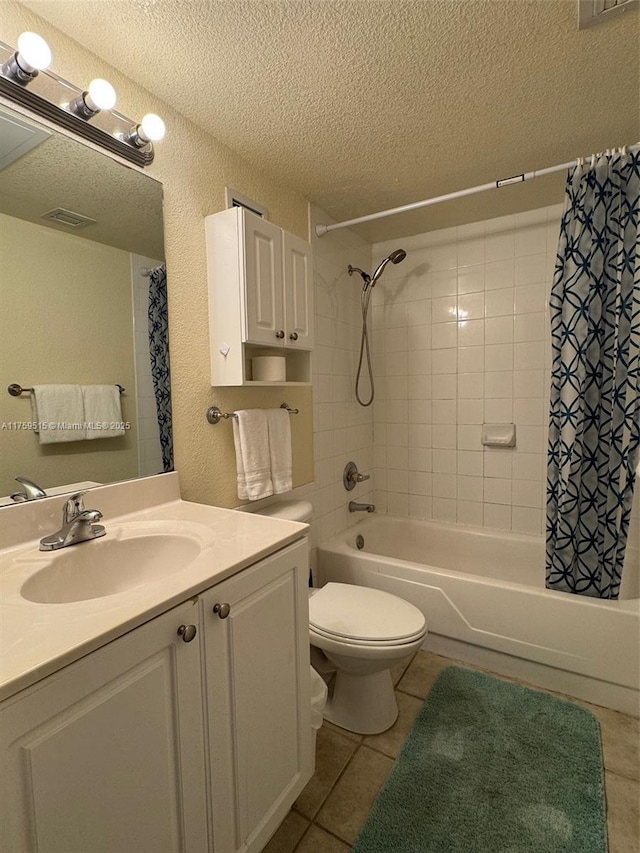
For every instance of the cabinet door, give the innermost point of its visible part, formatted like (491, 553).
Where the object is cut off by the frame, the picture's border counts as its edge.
(106, 756)
(258, 698)
(264, 317)
(298, 293)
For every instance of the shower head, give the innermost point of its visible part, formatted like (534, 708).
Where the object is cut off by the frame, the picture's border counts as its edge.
(395, 257)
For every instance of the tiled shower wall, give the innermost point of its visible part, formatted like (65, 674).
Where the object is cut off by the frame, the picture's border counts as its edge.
(461, 334)
(342, 429)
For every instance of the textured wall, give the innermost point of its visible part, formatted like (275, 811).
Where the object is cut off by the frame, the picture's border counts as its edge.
(194, 168)
(364, 105)
(66, 308)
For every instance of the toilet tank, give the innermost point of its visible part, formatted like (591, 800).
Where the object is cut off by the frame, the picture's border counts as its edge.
(289, 510)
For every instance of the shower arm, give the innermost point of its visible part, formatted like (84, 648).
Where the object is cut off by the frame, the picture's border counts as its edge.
(365, 276)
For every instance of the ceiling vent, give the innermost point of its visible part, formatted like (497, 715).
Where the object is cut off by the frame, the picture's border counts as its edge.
(592, 12)
(68, 218)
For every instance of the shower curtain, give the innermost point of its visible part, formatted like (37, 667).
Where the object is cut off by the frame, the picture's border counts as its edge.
(594, 429)
(159, 355)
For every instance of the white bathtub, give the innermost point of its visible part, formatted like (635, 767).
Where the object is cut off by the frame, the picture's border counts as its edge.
(485, 602)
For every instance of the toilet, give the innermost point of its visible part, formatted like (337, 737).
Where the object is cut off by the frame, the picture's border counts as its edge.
(361, 633)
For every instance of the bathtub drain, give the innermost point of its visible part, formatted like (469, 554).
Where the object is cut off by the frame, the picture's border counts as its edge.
(359, 542)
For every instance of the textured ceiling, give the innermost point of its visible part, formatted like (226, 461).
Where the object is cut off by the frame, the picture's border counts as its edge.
(362, 105)
(62, 172)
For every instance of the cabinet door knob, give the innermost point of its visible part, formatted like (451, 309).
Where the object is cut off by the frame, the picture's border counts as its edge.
(187, 632)
(293, 336)
(280, 334)
(222, 610)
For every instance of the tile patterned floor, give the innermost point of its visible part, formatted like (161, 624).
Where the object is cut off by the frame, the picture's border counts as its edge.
(351, 769)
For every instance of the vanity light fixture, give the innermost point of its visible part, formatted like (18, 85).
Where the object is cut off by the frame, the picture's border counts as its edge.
(150, 129)
(100, 96)
(24, 79)
(32, 56)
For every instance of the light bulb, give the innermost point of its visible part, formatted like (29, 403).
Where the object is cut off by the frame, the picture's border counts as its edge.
(152, 128)
(101, 95)
(34, 54)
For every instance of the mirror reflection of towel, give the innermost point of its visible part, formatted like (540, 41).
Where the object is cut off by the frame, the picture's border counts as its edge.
(102, 406)
(58, 404)
(63, 412)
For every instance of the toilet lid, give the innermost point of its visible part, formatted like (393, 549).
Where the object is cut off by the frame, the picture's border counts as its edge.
(362, 613)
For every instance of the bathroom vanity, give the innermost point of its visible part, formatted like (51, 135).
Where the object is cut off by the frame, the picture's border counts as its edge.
(170, 715)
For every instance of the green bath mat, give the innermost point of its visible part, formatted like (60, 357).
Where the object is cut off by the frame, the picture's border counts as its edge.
(492, 767)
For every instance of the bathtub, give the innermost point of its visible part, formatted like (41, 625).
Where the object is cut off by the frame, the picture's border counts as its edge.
(483, 595)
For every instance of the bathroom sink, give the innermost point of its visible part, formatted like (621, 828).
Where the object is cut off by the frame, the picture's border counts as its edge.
(116, 563)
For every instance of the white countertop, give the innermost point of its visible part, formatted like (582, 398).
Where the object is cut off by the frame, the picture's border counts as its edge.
(38, 639)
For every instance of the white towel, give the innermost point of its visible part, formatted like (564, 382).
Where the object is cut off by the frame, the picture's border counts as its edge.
(59, 411)
(102, 410)
(279, 425)
(251, 439)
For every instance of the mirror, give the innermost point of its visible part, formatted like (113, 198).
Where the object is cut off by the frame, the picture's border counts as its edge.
(81, 244)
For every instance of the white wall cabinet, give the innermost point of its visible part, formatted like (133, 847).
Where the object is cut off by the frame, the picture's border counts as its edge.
(159, 745)
(260, 297)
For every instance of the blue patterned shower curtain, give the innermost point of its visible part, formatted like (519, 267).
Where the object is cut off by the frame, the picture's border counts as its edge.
(159, 355)
(594, 429)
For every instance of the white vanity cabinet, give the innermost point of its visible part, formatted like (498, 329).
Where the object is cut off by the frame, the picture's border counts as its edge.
(256, 660)
(189, 734)
(107, 755)
(260, 297)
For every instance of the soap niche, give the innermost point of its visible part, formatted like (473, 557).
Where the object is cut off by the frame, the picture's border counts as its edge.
(297, 365)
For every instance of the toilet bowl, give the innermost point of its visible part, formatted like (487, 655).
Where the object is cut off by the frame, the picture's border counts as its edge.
(363, 633)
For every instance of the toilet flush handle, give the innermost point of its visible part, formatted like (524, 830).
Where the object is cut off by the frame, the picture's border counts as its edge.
(222, 610)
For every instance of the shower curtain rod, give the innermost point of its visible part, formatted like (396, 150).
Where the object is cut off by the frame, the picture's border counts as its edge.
(321, 230)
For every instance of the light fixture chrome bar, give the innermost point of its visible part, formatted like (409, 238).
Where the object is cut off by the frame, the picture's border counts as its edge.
(321, 230)
(49, 95)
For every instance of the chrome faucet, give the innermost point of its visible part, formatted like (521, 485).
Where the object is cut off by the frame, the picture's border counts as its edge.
(354, 506)
(31, 491)
(78, 525)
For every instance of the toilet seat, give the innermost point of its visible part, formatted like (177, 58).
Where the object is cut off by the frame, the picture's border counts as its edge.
(364, 617)
(348, 642)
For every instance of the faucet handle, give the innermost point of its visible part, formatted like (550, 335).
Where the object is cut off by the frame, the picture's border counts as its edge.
(351, 476)
(32, 491)
(73, 507)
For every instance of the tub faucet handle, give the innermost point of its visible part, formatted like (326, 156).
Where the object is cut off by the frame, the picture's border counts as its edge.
(351, 476)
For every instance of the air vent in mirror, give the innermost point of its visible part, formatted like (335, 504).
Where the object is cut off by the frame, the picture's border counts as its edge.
(68, 218)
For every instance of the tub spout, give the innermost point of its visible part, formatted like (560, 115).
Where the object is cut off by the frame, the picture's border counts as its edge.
(354, 506)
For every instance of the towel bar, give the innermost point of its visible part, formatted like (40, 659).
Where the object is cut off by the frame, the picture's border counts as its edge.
(215, 415)
(15, 390)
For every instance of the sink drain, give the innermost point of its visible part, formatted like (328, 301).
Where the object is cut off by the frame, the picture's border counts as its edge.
(359, 542)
